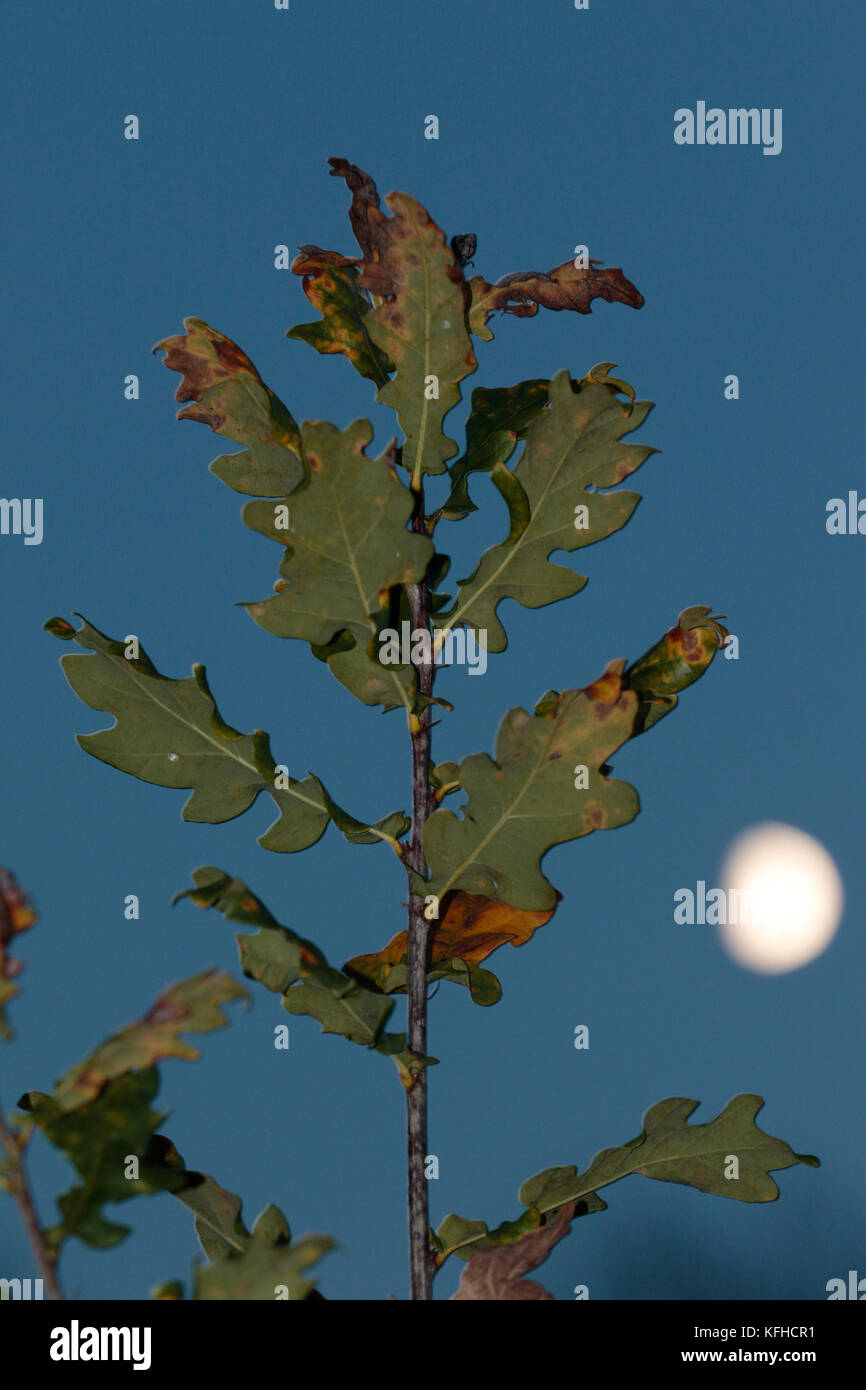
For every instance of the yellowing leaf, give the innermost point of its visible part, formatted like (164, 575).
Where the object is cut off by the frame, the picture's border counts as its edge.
(193, 1006)
(229, 395)
(16, 915)
(331, 284)
(471, 928)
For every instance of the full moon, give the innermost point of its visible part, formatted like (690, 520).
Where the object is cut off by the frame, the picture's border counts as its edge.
(794, 898)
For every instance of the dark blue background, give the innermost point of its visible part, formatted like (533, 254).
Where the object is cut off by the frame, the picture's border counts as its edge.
(556, 128)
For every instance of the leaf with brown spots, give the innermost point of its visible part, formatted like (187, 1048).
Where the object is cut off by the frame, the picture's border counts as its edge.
(680, 658)
(470, 929)
(331, 284)
(16, 915)
(229, 395)
(193, 1006)
(550, 782)
(525, 801)
(498, 1274)
(564, 287)
(573, 447)
(420, 322)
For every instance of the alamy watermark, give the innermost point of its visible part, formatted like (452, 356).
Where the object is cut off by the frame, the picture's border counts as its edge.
(737, 126)
(22, 516)
(25, 1289)
(720, 907)
(442, 647)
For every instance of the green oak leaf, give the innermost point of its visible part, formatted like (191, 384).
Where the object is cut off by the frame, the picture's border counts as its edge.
(229, 395)
(347, 543)
(532, 797)
(293, 967)
(270, 1267)
(218, 1222)
(573, 448)
(354, 663)
(98, 1138)
(498, 419)
(668, 1149)
(170, 732)
(671, 1150)
(262, 1264)
(331, 285)
(525, 801)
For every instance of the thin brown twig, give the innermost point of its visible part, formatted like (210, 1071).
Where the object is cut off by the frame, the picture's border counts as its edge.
(420, 1254)
(19, 1190)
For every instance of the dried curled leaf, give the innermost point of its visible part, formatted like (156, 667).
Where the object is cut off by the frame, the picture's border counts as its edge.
(419, 323)
(498, 1274)
(674, 663)
(365, 200)
(16, 915)
(565, 287)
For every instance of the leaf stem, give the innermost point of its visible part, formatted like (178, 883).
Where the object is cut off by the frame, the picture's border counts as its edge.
(19, 1190)
(420, 1254)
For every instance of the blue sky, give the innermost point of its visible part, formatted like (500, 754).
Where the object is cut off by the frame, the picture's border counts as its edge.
(556, 128)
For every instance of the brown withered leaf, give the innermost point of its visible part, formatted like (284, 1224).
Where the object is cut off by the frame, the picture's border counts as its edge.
(365, 199)
(564, 287)
(496, 1275)
(16, 915)
(382, 238)
(471, 928)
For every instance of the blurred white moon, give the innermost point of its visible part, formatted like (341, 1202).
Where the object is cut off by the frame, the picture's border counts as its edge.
(792, 894)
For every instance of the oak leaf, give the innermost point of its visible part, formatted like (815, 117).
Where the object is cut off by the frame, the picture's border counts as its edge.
(228, 394)
(470, 929)
(498, 1274)
(564, 287)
